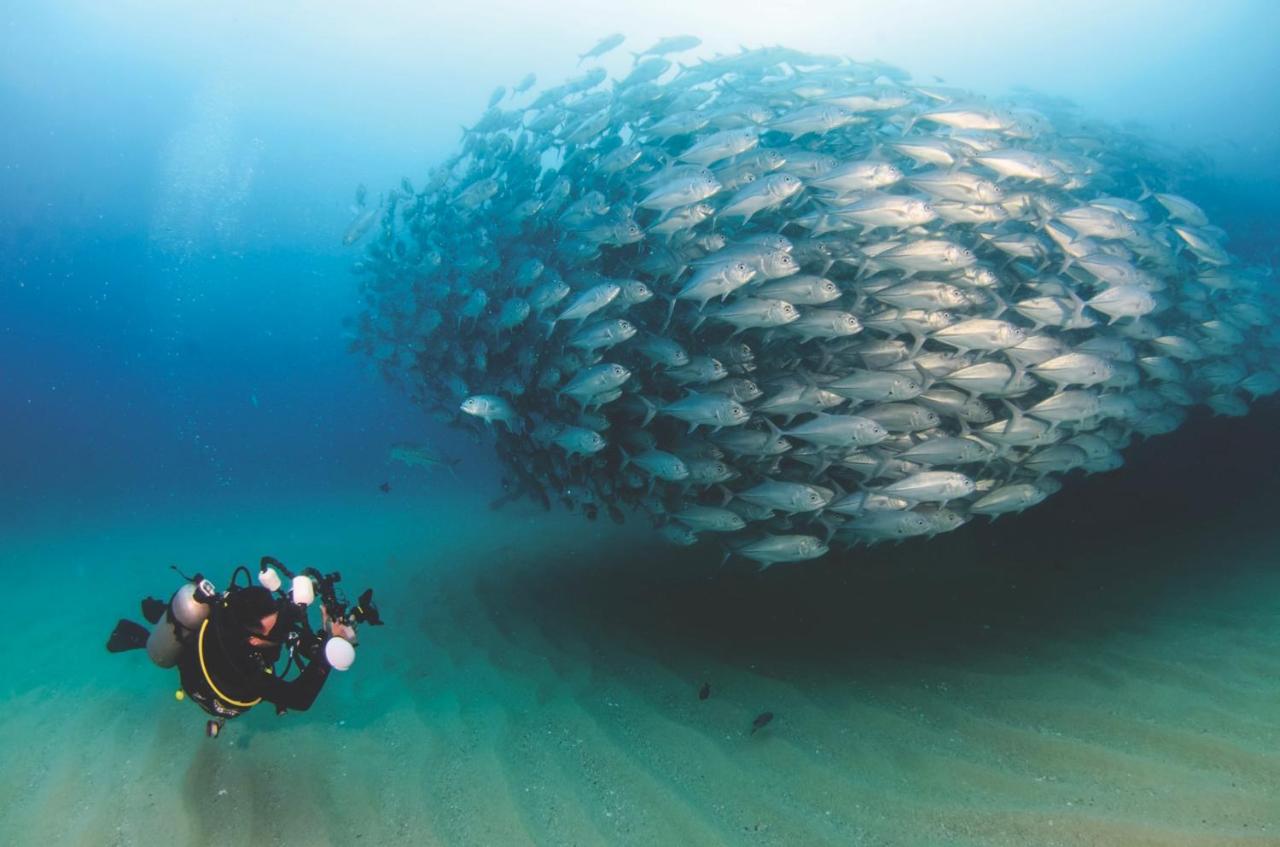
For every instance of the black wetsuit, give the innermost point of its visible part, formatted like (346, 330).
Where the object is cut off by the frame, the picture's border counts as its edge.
(226, 676)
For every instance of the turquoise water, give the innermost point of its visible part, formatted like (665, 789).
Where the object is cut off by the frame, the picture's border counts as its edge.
(535, 684)
(176, 389)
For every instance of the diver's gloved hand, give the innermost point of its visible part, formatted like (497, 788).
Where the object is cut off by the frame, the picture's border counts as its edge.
(338, 628)
(339, 648)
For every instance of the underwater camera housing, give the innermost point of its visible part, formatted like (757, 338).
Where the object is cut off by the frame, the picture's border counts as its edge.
(336, 606)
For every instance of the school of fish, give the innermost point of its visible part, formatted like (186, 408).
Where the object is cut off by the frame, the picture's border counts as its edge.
(793, 303)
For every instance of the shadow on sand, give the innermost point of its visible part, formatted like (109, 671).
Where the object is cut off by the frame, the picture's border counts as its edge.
(1179, 520)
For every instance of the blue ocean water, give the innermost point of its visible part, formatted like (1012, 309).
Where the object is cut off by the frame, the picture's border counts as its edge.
(176, 388)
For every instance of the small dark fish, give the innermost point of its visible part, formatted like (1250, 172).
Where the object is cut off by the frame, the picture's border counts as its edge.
(705, 691)
(615, 514)
(385, 487)
(761, 721)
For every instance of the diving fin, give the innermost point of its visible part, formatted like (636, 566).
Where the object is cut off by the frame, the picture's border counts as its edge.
(153, 610)
(127, 636)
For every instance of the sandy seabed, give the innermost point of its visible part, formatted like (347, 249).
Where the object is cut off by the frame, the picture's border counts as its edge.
(538, 681)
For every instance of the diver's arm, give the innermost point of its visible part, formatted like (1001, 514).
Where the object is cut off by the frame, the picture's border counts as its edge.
(296, 694)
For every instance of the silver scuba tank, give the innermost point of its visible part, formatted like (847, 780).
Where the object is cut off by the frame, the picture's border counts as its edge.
(187, 610)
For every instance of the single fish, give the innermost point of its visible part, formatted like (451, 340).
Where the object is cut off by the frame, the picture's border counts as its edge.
(421, 456)
(604, 45)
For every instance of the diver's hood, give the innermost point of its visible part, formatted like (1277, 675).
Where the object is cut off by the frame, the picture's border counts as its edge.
(248, 606)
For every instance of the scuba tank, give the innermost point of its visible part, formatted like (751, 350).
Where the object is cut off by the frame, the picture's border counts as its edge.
(188, 609)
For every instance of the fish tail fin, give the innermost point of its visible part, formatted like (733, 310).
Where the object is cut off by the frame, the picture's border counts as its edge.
(828, 528)
(1015, 415)
(671, 311)
(926, 378)
(1146, 190)
(800, 205)
(1001, 305)
(650, 410)
(1077, 306)
(1019, 371)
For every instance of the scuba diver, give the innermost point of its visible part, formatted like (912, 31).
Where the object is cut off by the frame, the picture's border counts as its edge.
(226, 645)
